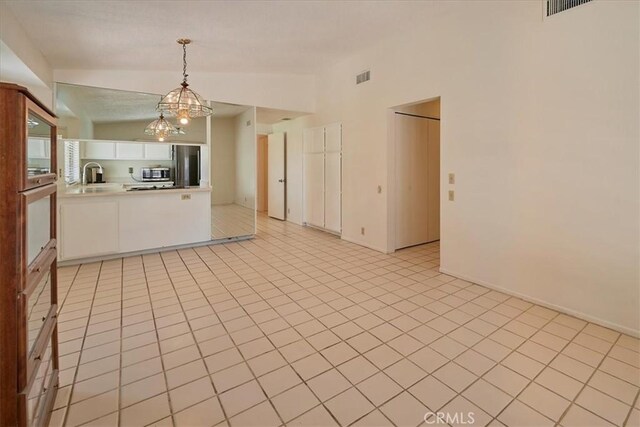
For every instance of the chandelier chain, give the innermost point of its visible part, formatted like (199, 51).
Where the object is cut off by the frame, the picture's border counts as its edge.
(184, 62)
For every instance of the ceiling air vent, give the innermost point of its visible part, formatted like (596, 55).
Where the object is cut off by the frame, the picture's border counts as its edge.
(557, 6)
(365, 76)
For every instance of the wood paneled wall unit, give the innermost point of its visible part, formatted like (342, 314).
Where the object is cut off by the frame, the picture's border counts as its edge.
(28, 280)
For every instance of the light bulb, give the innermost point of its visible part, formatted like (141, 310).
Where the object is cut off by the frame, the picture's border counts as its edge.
(183, 117)
(161, 138)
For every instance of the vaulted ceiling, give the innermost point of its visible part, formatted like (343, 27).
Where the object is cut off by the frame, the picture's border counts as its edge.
(297, 37)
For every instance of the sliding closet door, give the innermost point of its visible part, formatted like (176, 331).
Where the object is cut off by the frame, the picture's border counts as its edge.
(411, 136)
(433, 189)
(333, 178)
(314, 177)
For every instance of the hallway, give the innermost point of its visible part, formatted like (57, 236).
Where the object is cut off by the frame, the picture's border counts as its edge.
(298, 327)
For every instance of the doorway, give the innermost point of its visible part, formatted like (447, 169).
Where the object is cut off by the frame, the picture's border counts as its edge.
(262, 174)
(416, 133)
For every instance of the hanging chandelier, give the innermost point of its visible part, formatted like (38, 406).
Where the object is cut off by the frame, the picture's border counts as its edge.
(161, 128)
(182, 102)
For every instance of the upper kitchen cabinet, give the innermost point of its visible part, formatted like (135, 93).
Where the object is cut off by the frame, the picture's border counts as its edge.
(126, 151)
(157, 151)
(98, 150)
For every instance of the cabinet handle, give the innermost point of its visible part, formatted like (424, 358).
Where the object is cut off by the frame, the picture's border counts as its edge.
(44, 318)
(38, 181)
(38, 357)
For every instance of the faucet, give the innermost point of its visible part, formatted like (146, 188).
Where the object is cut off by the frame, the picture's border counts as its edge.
(84, 171)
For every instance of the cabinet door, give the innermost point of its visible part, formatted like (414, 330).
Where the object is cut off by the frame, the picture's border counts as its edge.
(333, 192)
(126, 151)
(157, 151)
(39, 150)
(314, 189)
(99, 150)
(88, 229)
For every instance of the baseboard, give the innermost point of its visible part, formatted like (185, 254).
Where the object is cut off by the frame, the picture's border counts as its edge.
(562, 309)
(347, 239)
(152, 251)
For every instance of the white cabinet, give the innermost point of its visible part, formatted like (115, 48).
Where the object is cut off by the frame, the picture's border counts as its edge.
(322, 177)
(99, 150)
(157, 151)
(89, 228)
(129, 151)
(39, 148)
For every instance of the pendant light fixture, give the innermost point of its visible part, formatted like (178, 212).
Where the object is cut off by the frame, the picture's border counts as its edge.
(182, 102)
(161, 128)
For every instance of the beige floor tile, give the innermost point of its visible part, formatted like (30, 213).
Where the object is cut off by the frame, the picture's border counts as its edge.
(404, 410)
(577, 416)
(544, 401)
(523, 364)
(92, 408)
(231, 377)
(316, 417)
(146, 412)
(621, 370)
(266, 363)
(223, 360)
(519, 414)
(605, 406)
(614, 387)
(364, 342)
(92, 387)
(357, 369)
(488, 397)
(294, 402)
(142, 389)
(537, 352)
(462, 412)
(455, 376)
(296, 351)
(405, 373)
(492, 350)
(339, 353)
(560, 383)
(572, 367)
(185, 373)
(207, 413)
(379, 388)
(432, 393)
(191, 393)
(349, 406)
(311, 366)
(98, 367)
(258, 416)
(279, 380)
(427, 359)
(240, 398)
(506, 380)
(375, 418)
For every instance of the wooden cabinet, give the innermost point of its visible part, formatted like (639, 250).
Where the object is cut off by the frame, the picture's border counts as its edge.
(28, 271)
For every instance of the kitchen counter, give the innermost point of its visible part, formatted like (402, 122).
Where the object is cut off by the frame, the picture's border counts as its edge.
(103, 220)
(93, 190)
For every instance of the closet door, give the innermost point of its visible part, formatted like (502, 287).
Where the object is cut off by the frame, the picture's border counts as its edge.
(433, 190)
(314, 177)
(333, 178)
(411, 135)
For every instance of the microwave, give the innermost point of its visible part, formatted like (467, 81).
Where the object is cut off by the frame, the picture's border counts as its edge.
(156, 174)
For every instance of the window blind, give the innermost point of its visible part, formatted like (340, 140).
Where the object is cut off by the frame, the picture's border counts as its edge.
(71, 162)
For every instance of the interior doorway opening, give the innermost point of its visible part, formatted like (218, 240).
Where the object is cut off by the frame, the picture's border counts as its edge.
(416, 174)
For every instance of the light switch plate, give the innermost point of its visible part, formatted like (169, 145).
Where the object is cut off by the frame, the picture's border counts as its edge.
(451, 196)
(185, 197)
(452, 178)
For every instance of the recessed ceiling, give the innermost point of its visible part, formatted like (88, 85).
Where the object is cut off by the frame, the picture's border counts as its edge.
(108, 105)
(228, 36)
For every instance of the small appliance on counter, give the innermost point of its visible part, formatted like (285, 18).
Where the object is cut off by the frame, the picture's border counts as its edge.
(94, 176)
(186, 159)
(155, 174)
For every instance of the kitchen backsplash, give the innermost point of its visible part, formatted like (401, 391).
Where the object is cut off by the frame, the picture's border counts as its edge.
(118, 170)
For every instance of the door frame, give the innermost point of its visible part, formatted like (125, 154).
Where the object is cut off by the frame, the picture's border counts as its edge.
(392, 190)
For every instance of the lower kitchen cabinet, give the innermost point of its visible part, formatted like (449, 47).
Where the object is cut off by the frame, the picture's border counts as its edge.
(90, 228)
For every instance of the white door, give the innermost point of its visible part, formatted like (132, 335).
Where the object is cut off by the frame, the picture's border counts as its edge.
(314, 179)
(276, 175)
(333, 178)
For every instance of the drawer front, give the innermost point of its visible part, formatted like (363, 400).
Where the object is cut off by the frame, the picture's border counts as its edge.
(36, 400)
(38, 303)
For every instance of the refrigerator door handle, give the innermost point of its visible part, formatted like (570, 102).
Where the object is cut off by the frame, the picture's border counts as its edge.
(199, 166)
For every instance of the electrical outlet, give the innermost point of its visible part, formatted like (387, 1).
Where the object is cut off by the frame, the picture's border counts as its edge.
(185, 197)
(362, 231)
(452, 178)
(130, 170)
(288, 211)
(451, 196)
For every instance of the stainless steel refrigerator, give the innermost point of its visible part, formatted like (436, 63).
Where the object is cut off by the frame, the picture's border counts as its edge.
(186, 164)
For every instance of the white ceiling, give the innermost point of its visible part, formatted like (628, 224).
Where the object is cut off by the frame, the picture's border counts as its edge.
(228, 36)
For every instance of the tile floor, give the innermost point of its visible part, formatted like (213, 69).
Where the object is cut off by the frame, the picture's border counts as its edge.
(231, 221)
(297, 327)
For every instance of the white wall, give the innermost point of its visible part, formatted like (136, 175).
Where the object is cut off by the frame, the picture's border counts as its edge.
(133, 130)
(245, 136)
(223, 161)
(293, 92)
(540, 125)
